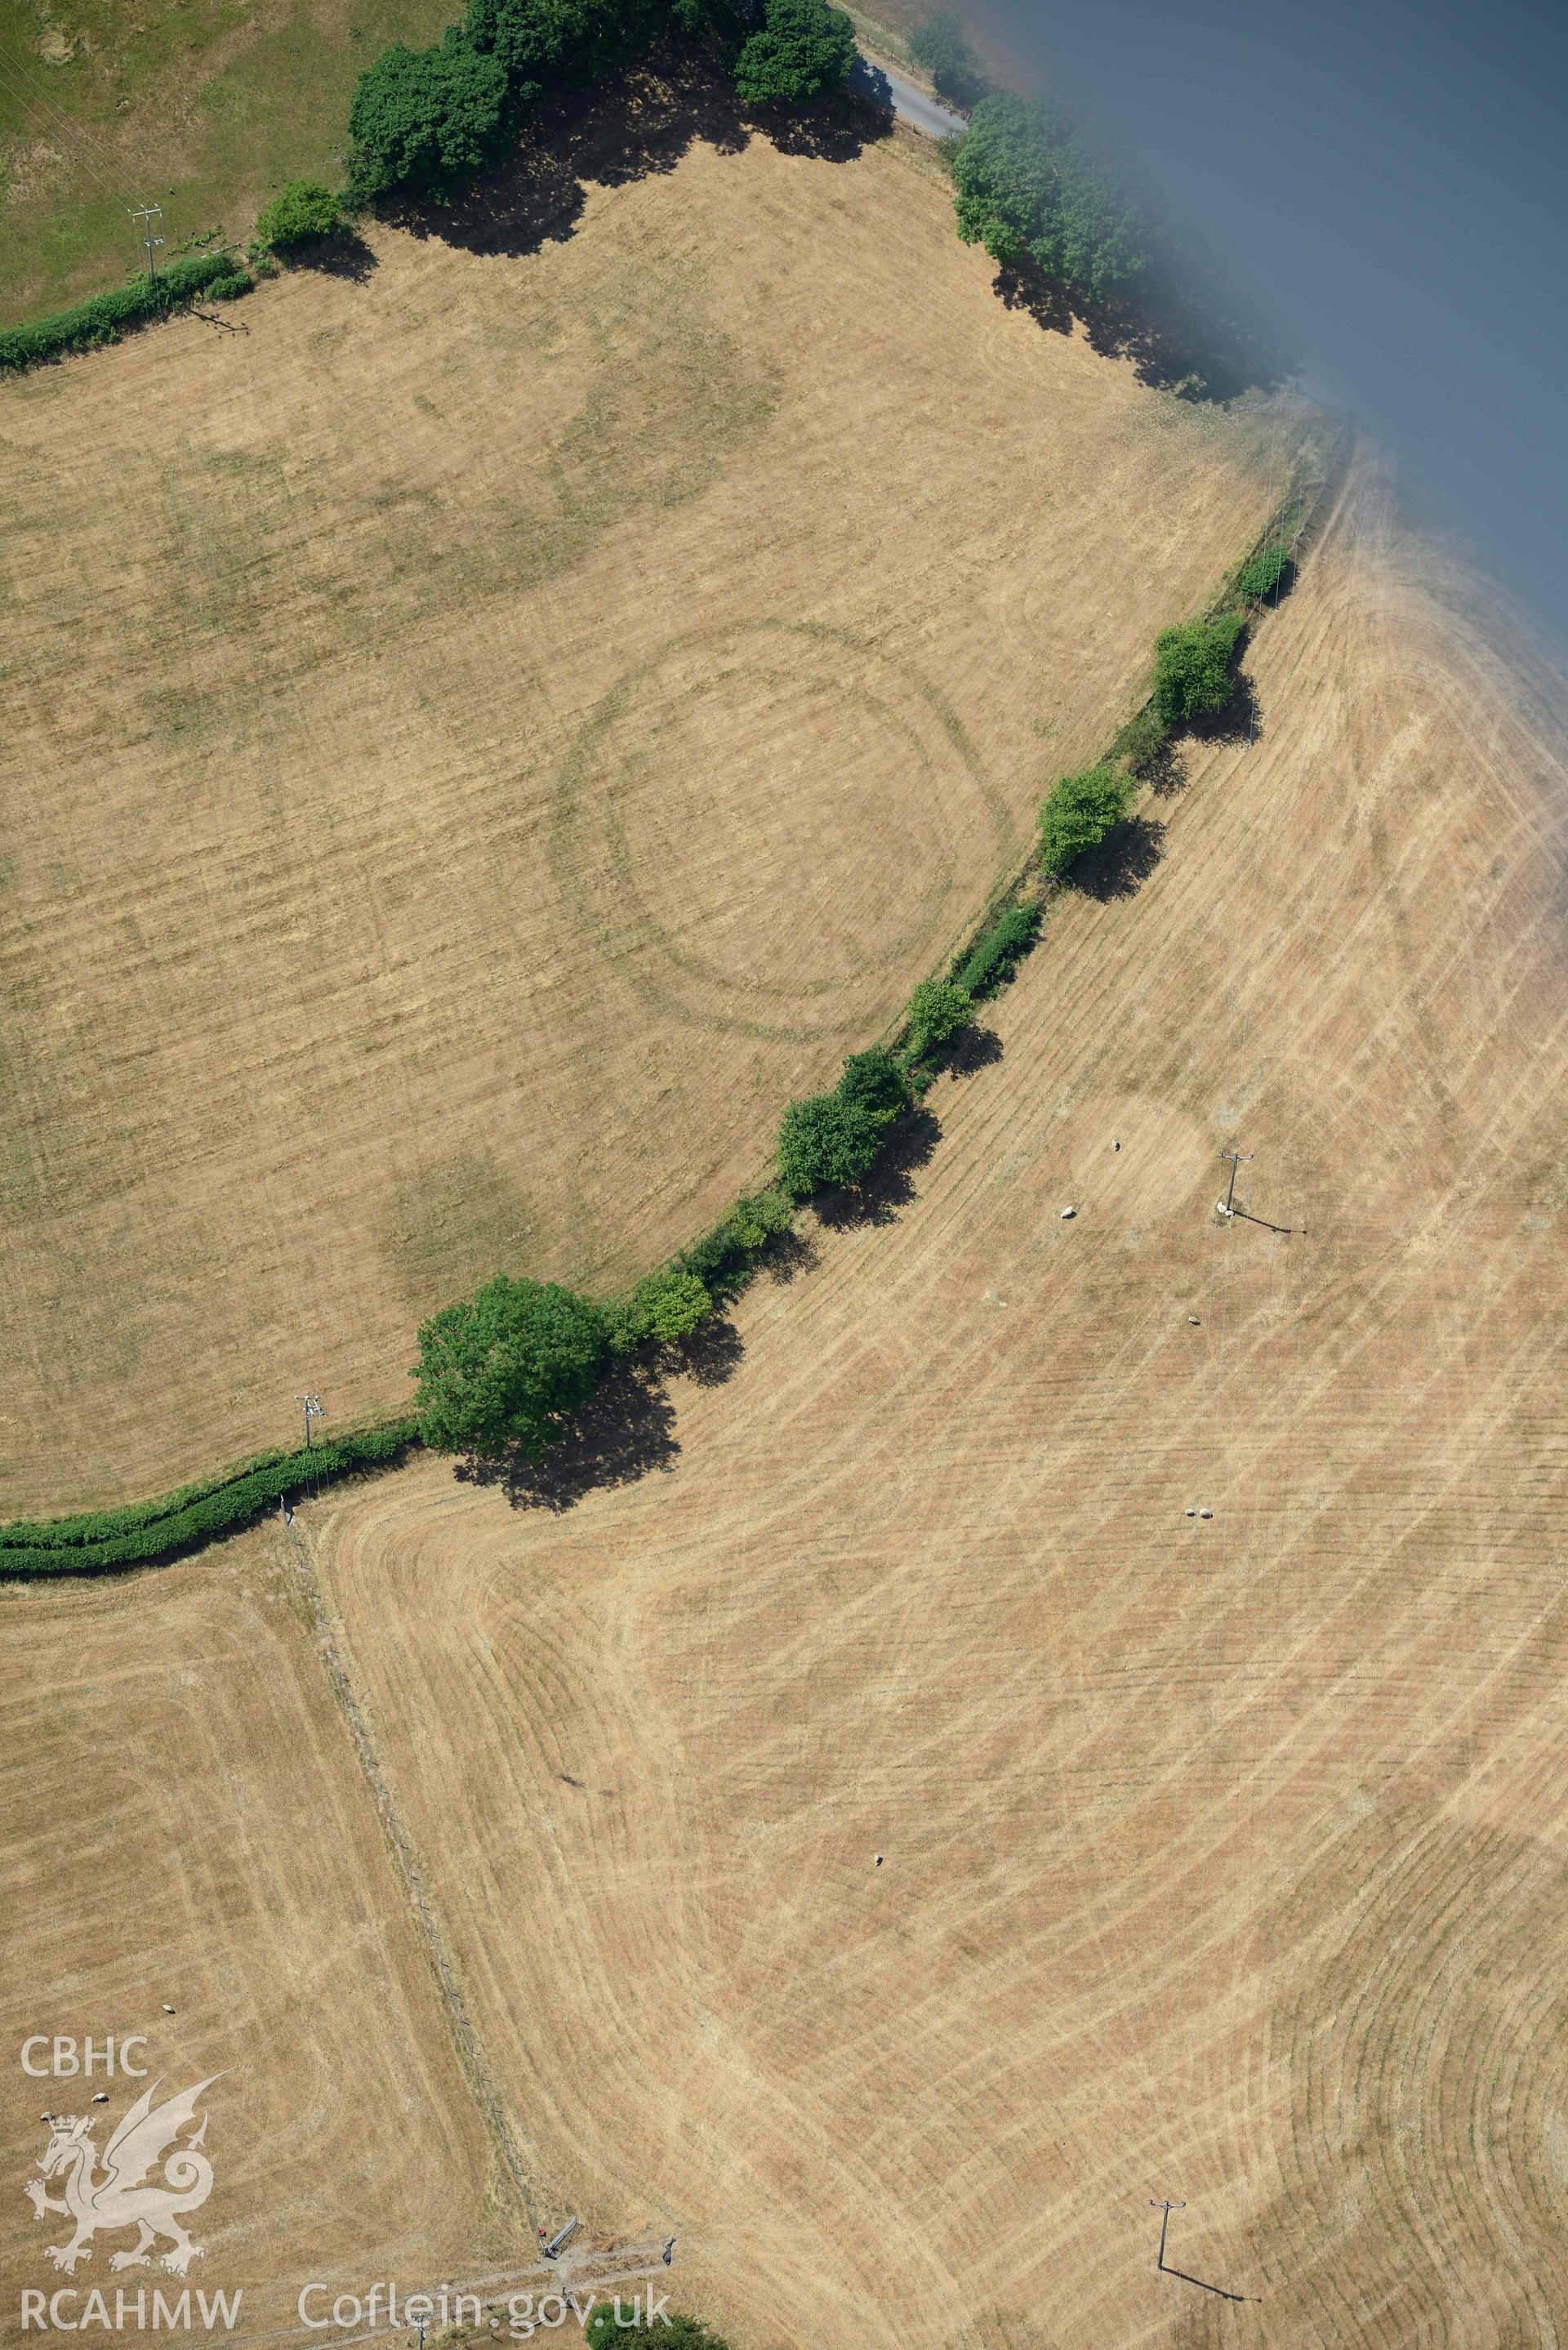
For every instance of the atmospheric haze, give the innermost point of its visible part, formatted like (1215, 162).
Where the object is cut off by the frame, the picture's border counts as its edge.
(1396, 178)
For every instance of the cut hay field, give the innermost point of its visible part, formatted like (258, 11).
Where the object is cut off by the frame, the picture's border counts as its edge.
(483, 733)
(188, 1824)
(1222, 1860)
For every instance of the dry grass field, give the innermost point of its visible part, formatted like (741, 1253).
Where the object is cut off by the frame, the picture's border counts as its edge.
(485, 733)
(187, 1823)
(1223, 1859)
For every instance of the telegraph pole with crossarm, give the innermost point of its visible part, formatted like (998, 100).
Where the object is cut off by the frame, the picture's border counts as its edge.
(148, 214)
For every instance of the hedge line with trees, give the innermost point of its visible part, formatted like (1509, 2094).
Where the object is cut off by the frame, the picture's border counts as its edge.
(422, 120)
(505, 1368)
(105, 318)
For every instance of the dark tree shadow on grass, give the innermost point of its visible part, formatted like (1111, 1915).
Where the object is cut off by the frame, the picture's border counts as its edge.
(1164, 773)
(633, 128)
(1124, 860)
(973, 1048)
(890, 1184)
(1238, 719)
(624, 1432)
(788, 1256)
(1040, 297)
(712, 1355)
(344, 254)
(1183, 328)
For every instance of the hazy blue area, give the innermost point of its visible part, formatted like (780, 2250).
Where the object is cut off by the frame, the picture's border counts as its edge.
(1397, 175)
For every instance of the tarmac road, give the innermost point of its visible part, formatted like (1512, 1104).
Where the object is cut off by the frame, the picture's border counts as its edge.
(902, 98)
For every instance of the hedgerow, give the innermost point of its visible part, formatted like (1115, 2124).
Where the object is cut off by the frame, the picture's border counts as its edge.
(1263, 574)
(1192, 666)
(101, 1542)
(104, 318)
(998, 951)
(1078, 813)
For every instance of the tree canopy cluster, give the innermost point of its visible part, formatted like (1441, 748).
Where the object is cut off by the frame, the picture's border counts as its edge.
(1079, 811)
(500, 1369)
(834, 1138)
(423, 119)
(1034, 185)
(801, 49)
(300, 214)
(1192, 671)
(938, 1008)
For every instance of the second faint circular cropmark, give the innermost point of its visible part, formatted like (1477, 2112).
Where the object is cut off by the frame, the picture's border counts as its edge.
(767, 828)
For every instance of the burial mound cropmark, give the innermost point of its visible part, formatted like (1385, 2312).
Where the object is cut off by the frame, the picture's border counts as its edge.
(761, 823)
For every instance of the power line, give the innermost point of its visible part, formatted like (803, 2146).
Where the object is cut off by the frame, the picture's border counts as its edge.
(31, 92)
(61, 125)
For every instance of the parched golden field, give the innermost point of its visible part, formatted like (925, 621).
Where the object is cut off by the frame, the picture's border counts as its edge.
(482, 737)
(1222, 1860)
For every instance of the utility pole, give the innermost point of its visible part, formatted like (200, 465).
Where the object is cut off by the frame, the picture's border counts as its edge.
(1164, 2266)
(1168, 2207)
(1237, 1158)
(1226, 1206)
(311, 1406)
(149, 214)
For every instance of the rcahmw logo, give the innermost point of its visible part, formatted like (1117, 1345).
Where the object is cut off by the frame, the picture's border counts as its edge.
(149, 2177)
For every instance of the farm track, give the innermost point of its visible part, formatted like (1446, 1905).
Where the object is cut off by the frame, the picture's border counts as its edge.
(339, 1667)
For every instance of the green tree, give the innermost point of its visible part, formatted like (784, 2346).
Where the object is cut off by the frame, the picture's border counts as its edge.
(873, 1085)
(939, 1008)
(1141, 741)
(993, 957)
(801, 49)
(1264, 573)
(1192, 666)
(754, 1219)
(424, 118)
(661, 1310)
(825, 1141)
(299, 215)
(502, 1367)
(1035, 185)
(943, 47)
(544, 42)
(1079, 811)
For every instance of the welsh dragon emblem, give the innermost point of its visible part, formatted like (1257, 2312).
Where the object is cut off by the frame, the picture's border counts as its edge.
(120, 2197)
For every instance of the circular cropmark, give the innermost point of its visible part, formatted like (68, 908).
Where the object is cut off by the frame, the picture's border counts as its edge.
(767, 826)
